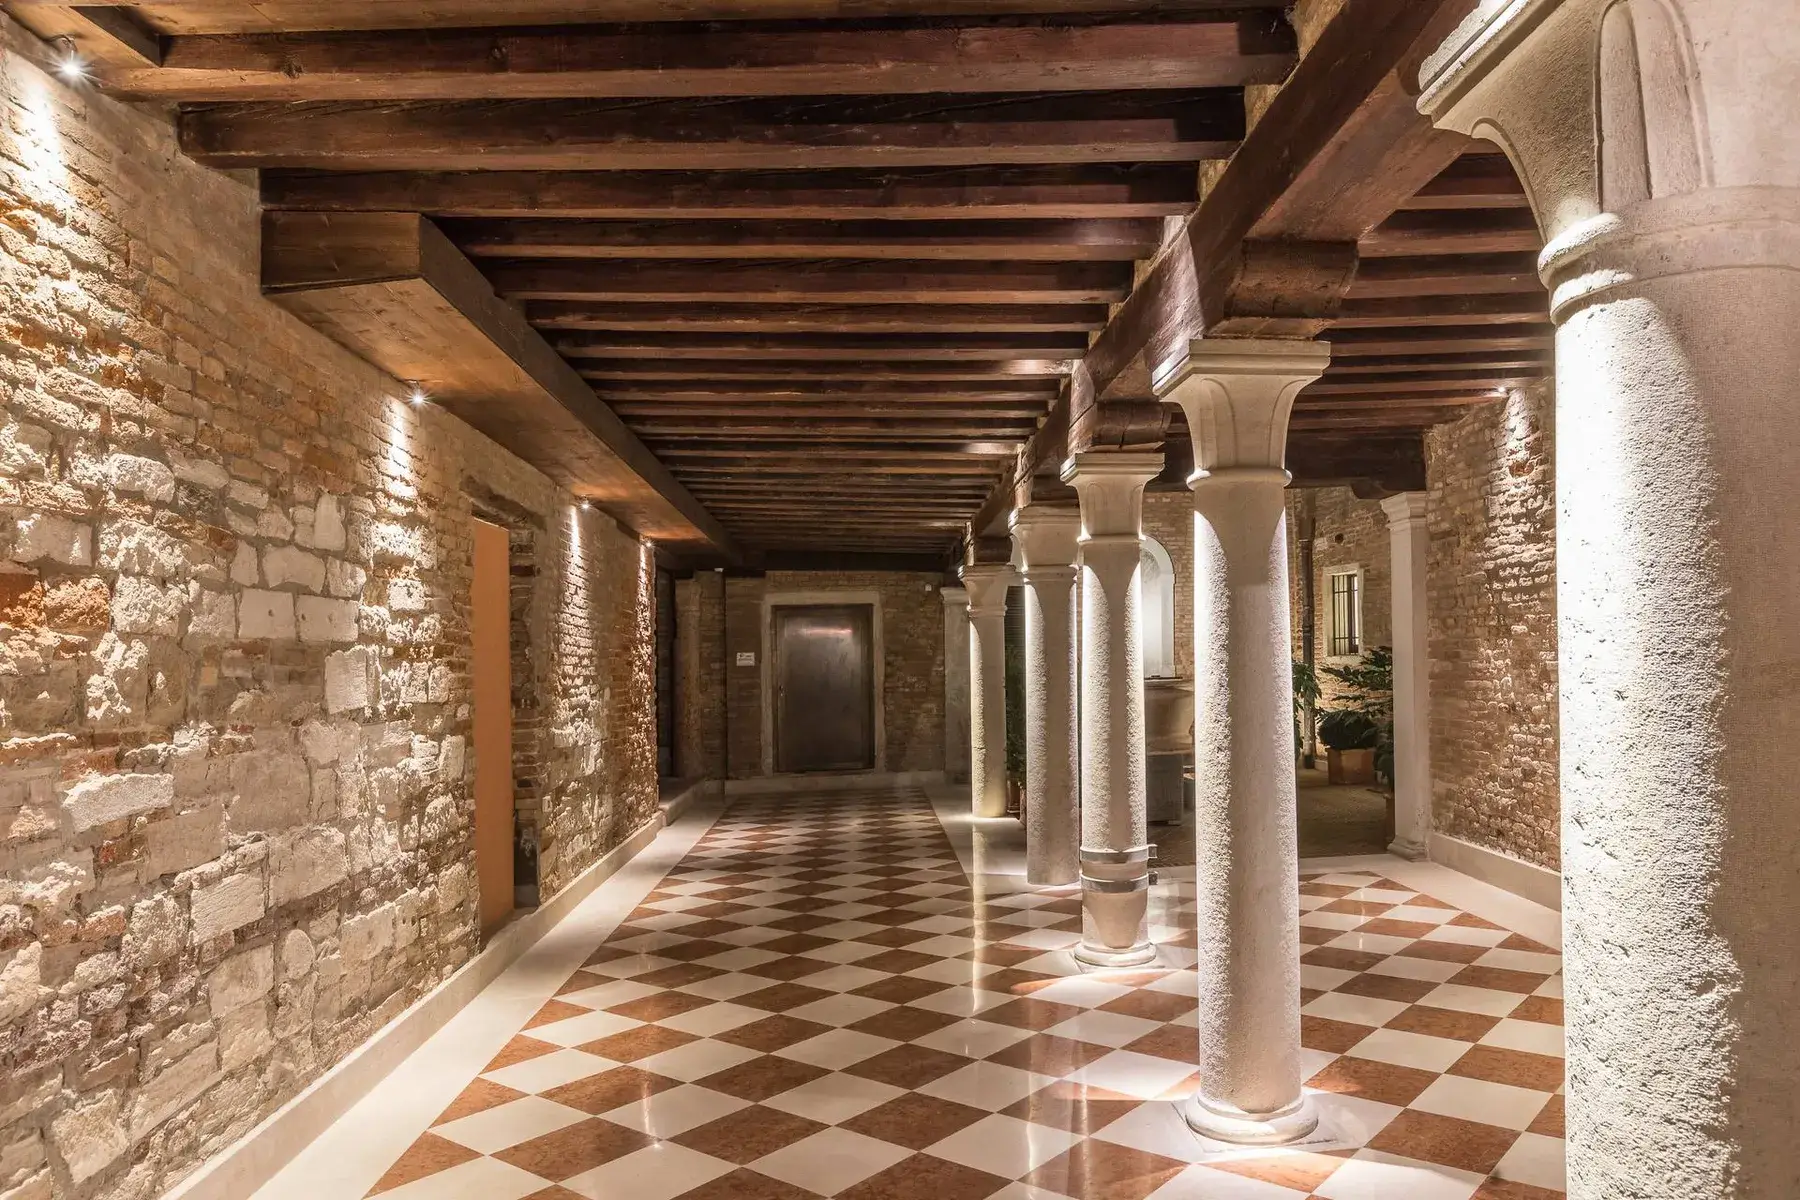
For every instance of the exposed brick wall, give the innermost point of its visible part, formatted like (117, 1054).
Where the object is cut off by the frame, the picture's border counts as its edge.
(1169, 518)
(700, 676)
(1346, 532)
(1492, 597)
(912, 623)
(234, 708)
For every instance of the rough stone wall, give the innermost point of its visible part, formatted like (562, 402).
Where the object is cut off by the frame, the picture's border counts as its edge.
(912, 623)
(700, 676)
(1169, 518)
(1347, 532)
(234, 770)
(1492, 600)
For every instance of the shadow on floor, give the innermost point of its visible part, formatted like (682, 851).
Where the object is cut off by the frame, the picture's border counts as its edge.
(1334, 820)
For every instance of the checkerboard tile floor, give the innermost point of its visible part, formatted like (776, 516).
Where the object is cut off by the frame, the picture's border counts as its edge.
(818, 1002)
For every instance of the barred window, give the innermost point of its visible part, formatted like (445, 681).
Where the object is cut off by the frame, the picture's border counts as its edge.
(1346, 613)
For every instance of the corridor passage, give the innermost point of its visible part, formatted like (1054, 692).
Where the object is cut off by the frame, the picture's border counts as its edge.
(817, 1001)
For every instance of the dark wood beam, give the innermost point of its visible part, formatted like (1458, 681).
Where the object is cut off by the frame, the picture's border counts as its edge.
(750, 433)
(1445, 379)
(605, 370)
(1475, 180)
(1454, 231)
(1446, 274)
(839, 281)
(621, 135)
(1356, 343)
(634, 413)
(1221, 49)
(1505, 309)
(922, 392)
(110, 38)
(1432, 364)
(1097, 240)
(898, 348)
(393, 289)
(1022, 192)
(818, 318)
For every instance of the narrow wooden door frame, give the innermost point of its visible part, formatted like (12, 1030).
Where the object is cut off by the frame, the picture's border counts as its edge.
(491, 719)
(877, 651)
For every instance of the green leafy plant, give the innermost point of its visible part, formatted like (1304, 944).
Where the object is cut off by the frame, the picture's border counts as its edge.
(1306, 696)
(1015, 709)
(1362, 713)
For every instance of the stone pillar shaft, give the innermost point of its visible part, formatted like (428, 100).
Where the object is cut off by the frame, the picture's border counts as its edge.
(987, 687)
(1047, 540)
(1115, 855)
(1655, 142)
(1237, 396)
(1410, 542)
(956, 685)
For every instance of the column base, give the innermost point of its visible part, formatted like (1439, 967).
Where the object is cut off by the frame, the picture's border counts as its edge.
(1062, 887)
(1222, 1123)
(1108, 956)
(1411, 851)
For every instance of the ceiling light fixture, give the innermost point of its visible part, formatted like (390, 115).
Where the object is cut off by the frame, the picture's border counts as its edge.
(70, 65)
(417, 396)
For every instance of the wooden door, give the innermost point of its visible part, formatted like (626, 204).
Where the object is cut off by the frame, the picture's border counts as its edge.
(824, 688)
(490, 625)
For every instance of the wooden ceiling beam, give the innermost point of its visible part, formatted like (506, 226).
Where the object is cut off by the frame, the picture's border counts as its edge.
(1447, 379)
(1201, 50)
(110, 38)
(633, 413)
(1447, 275)
(1436, 364)
(1132, 190)
(1454, 231)
(818, 318)
(1096, 240)
(1476, 180)
(614, 370)
(838, 281)
(848, 349)
(1503, 309)
(1357, 343)
(923, 392)
(625, 135)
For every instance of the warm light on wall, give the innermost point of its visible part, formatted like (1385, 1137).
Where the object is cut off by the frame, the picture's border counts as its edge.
(69, 63)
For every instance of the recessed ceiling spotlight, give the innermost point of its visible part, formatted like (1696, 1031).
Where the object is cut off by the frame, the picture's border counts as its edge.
(417, 395)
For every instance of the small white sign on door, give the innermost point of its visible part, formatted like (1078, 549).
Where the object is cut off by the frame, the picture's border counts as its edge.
(746, 658)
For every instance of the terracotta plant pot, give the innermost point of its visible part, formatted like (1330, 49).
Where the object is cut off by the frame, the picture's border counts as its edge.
(1350, 766)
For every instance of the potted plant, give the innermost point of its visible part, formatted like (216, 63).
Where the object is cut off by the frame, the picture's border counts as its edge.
(1358, 730)
(1306, 699)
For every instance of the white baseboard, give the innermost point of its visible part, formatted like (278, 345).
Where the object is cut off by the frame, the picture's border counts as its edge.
(680, 802)
(1537, 884)
(243, 1167)
(832, 781)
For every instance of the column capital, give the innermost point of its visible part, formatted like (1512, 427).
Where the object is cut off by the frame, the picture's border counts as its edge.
(1111, 486)
(1405, 508)
(954, 597)
(987, 584)
(1237, 394)
(1046, 538)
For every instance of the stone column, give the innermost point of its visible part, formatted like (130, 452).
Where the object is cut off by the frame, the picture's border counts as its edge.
(1047, 541)
(1237, 395)
(1115, 854)
(1656, 142)
(1409, 541)
(987, 586)
(956, 685)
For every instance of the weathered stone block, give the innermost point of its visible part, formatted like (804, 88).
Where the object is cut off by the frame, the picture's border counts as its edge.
(90, 1137)
(21, 599)
(283, 565)
(244, 569)
(46, 535)
(212, 614)
(184, 841)
(21, 982)
(241, 979)
(135, 548)
(367, 936)
(244, 1036)
(78, 605)
(350, 680)
(324, 620)
(141, 605)
(154, 932)
(328, 523)
(177, 1087)
(230, 904)
(132, 473)
(263, 614)
(304, 862)
(270, 791)
(98, 799)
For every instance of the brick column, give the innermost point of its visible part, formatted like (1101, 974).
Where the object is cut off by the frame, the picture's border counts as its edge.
(956, 684)
(987, 586)
(1115, 851)
(1409, 544)
(1047, 541)
(1237, 395)
(1656, 143)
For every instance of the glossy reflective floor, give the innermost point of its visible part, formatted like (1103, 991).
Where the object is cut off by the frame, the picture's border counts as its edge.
(815, 1000)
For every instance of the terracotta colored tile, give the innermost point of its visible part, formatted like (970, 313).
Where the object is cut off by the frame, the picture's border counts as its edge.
(1519, 941)
(1444, 951)
(574, 1149)
(609, 1089)
(520, 1049)
(693, 951)
(479, 1096)
(1371, 1080)
(1325, 889)
(1322, 1033)
(1308, 995)
(1499, 979)
(1012, 980)
(896, 961)
(1444, 1023)
(772, 1033)
(1314, 935)
(1096, 1170)
(1547, 1009)
(1540, 1072)
(1152, 1006)
(1047, 1055)
(556, 1191)
(719, 908)
(1001, 955)
(908, 1066)
(1550, 1121)
(1340, 959)
(1421, 900)
(634, 1044)
(679, 975)
(923, 1176)
(660, 1006)
(1175, 1042)
(427, 1156)
(1388, 927)
(556, 1010)
(794, 966)
(748, 1134)
(914, 1120)
(794, 943)
(900, 989)
(1447, 1141)
(708, 929)
(1387, 987)
(1299, 1170)
(1073, 1107)
(1031, 1014)
(580, 981)
(762, 1077)
(1471, 921)
(1504, 1189)
(904, 1024)
(1358, 908)
(781, 997)
(744, 1184)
